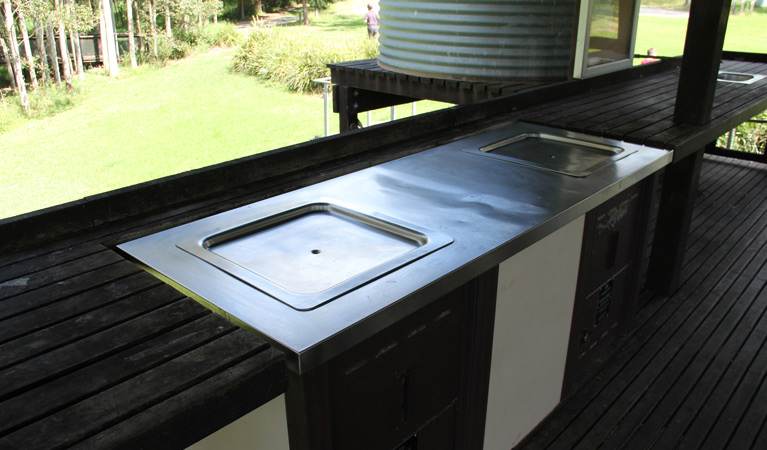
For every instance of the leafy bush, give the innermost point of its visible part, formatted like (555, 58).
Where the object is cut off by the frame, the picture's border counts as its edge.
(192, 35)
(170, 48)
(46, 101)
(294, 58)
(222, 34)
(49, 100)
(748, 137)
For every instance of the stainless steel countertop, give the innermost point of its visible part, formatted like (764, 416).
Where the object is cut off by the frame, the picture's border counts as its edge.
(491, 209)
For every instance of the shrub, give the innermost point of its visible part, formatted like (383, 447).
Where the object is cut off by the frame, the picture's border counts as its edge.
(47, 101)
(170, 48)
(192, 35)
(748, 137)
(50, 100)
(294, 58)
(222, 34)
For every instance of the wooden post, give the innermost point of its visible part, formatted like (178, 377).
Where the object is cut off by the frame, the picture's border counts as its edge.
(680, 182)
(700, 62)
(345, 104)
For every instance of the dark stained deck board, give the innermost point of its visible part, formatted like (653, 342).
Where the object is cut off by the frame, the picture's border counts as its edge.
(91, 346)
(730, 99)
(76, 386)
(12, 267)
(78, 325)
(56, 275)
(121, 335)
(659, 397)
(709, 217)
(179, 421)
(639, 109)
(642, 110)
(366, 74)
(98, 411)
(77, 284)
(694, 374)
(589, 104)
(622, 354)
(621, 106)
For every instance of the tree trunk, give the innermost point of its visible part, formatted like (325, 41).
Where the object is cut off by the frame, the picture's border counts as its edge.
(306, 12)
(40, 37)
(138, 19)
(153, 25)
(63, 49)
(27, 50)
(21, 89)
(72, 53)
(53, 55)
(131, 41)
(168, 29)
(111, 42)
(103, 46)
(8, 66)
(77, 53)
(242, 9)
(79, 56)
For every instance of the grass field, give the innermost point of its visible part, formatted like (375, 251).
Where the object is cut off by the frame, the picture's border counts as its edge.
(193, 113)
(745, 32)
(157, 122)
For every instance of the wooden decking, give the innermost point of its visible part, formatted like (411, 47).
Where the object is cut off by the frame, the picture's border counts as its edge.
(96, 353)
(694, 374)
(366, 74)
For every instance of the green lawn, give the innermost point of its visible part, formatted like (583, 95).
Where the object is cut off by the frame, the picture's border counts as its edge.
(153, 123)
(745, 32)
(191, 114)
(195, 112)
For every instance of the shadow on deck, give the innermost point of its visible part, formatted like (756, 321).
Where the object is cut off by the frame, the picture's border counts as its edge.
(693, 373)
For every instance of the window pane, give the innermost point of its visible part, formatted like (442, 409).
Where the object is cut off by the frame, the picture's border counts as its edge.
(610, 31)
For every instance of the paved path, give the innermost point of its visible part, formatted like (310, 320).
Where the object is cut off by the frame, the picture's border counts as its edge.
(661, 12)
(269, 20)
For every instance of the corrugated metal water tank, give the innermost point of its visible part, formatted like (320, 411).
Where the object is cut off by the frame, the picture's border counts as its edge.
(478, 40)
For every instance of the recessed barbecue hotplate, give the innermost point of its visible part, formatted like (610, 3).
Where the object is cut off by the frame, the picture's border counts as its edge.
(561, 154)
(741, 78)
(311, 254)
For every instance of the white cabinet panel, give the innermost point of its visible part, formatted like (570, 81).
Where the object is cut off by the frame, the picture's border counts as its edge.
(536, 290)
(263, 428)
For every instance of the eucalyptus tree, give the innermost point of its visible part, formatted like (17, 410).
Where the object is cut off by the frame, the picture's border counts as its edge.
(108, 37)
(53, 54)
(168, 28)
(40, 12)
(6, 53)
(202, 10)
(131, 37)
(66, 65)
(27, 47)
(78, 18)
(153, 24)
(13, 52)
(40, 39)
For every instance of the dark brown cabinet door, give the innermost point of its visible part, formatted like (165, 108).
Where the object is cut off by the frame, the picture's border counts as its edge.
(420, 384)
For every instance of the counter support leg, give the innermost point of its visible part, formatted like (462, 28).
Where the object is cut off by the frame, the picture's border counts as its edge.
(346, 105)
(307, 404)
(680, 183)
